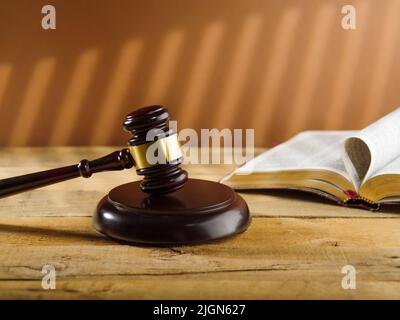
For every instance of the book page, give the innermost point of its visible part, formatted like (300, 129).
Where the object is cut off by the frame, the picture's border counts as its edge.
(392, 168)
(372, 148)
(307, 150)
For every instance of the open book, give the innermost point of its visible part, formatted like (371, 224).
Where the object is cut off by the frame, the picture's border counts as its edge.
(355, 168)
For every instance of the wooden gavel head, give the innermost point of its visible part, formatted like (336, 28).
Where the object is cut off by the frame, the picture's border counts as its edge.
(155, 150)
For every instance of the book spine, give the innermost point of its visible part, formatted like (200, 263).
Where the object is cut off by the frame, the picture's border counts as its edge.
(361, 202)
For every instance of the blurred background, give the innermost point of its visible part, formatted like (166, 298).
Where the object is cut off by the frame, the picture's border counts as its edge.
(279, 67)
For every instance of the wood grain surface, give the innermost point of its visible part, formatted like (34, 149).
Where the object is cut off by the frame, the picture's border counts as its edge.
(295, 247)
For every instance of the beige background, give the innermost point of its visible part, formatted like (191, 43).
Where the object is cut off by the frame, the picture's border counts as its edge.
(277, 66)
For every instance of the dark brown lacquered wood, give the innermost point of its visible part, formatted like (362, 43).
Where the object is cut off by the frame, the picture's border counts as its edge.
(160, 178)
(164, 208)
(201, 211)
(117, 160)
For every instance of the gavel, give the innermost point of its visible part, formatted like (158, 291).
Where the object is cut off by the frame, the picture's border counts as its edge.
(165, 207)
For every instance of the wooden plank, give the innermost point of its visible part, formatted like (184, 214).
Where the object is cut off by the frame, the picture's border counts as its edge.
(278, 243)
(290, 251)
(263, 232)
(290, 284)
(275, 258)
(79, 197)
(82, 197)
(25, 157)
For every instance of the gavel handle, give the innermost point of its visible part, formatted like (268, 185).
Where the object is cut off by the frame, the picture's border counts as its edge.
(118, 160)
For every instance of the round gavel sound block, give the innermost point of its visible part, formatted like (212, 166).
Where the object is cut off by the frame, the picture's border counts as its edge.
(166, 208)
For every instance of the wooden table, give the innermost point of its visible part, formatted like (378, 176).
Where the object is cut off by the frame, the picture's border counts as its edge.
(295, 247)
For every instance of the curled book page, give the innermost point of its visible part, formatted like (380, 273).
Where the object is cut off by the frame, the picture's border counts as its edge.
(372, 148)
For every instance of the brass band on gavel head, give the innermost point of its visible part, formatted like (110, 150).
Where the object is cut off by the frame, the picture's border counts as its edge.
(162, 151)
(155, 150)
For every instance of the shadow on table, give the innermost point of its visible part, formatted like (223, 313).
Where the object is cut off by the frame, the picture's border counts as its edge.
(51, 233)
